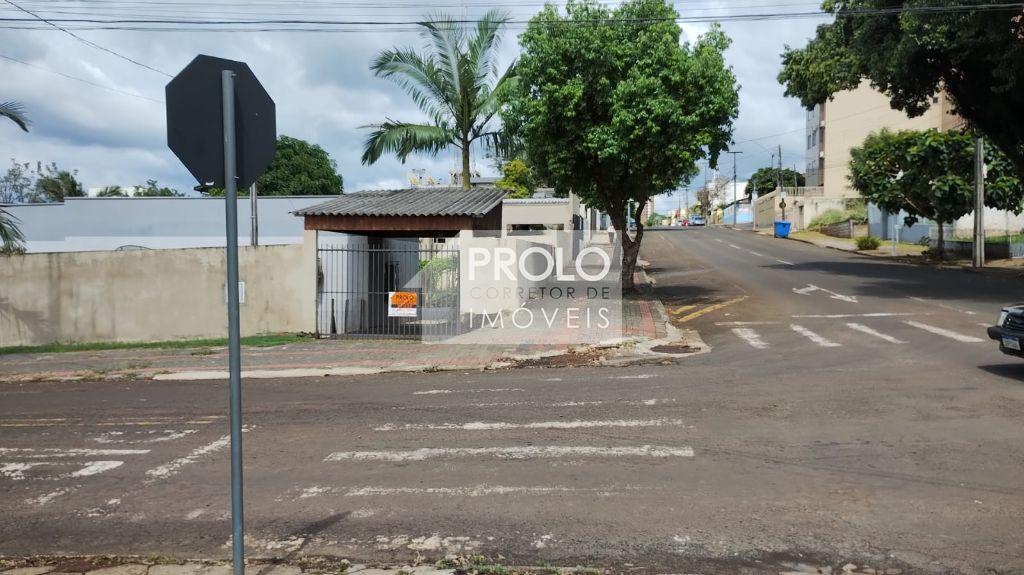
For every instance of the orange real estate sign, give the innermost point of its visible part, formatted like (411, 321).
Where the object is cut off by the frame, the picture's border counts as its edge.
(402, 303)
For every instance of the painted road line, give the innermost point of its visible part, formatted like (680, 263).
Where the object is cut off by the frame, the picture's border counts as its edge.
(150, 436)
(637, 376)
(173, 467)
(502, 425)
(943, 306)
(517, 452)
(742, 323)
(944, 332)
(30, 453)
(735, 246)
(16, 470)
(478, 490)
(96, 467)
(816, 338)
(44, 499)
(852, 315)
(813, 288)
(785, 262)
(719, 241)
(751, 337)
(865, 329)
(756, 254)
(556, 404)
(448, 391)
(709, 309)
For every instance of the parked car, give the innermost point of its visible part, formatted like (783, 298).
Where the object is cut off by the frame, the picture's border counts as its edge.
(1009, 330)
(698, 221)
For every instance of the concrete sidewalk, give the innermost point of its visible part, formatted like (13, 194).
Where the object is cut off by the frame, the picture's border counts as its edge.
(642, 321)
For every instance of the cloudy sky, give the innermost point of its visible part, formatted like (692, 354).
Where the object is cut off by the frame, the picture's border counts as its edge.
(111, 128)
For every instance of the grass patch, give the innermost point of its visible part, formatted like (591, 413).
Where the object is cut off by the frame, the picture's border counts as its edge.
(859, 215)
(269, 340)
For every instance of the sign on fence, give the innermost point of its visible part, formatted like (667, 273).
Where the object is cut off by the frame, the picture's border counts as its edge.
(402, 304)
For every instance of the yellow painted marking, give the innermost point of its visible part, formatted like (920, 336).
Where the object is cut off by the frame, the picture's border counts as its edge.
(680, 309)
(710, 308)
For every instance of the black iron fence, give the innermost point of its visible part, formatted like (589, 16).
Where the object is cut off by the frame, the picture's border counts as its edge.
(405, 290)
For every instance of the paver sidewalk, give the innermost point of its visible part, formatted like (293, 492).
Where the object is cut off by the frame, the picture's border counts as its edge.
(307, 358)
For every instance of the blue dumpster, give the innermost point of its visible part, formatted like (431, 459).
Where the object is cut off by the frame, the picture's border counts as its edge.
(782, 229)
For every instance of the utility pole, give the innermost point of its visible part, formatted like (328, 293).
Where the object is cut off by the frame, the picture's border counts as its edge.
(735, 201)
(979, 202)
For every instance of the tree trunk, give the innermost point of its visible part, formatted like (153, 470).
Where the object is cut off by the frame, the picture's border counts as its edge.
(630, 246)
(465, 163)
(940, 243)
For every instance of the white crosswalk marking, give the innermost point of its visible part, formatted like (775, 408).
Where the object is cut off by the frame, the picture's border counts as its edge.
(944, 332)
(818, 339)
(516, 452)
(865, 329)
(751, 337)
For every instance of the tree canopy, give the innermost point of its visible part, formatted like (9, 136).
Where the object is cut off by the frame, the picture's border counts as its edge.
(54, 184)
(765, 180)
(455, 82)
(619, 111)
(930, 174)
(516, 178)
(300, 168)
(976, 56)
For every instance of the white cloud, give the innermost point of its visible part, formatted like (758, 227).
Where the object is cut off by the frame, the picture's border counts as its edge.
(323, 88)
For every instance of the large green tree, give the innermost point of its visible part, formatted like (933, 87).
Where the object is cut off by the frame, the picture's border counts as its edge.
(14, 112)
(765, 180)
(455, 82)
(913, 49)
(930, 174)
(613, 107)
(300, 168)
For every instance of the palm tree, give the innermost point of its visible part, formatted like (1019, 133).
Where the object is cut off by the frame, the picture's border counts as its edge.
(12, 241)
(16, 113)
(455, 84)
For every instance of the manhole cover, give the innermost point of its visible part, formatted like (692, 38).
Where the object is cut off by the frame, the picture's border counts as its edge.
(676, 348)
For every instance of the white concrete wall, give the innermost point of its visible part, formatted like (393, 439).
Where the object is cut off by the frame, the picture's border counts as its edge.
(152, 295)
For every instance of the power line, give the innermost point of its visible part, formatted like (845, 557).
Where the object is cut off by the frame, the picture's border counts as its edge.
(82, 80)
(281, 24)
(84, 41)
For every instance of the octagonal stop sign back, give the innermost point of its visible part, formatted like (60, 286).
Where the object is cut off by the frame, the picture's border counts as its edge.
(195, 121)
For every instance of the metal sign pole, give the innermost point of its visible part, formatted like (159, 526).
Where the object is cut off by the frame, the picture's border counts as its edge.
(255, 239)
(234, 351)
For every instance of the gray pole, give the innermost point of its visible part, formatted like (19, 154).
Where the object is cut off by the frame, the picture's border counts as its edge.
(234, 352)
(253, 219)
(979, 203)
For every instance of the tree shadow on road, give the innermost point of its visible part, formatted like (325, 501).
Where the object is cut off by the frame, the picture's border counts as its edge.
(893, 280)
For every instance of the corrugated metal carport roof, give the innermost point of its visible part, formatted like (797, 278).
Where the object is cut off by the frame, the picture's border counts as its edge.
(447, 201)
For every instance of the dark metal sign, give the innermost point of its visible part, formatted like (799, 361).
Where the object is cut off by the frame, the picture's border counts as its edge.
(195, 121)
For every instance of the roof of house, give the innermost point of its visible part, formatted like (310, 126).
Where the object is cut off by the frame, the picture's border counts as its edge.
(440, 201)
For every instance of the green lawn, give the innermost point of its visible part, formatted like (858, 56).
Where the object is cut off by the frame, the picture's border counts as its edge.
(252, 341)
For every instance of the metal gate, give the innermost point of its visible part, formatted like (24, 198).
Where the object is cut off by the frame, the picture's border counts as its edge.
(357, 287)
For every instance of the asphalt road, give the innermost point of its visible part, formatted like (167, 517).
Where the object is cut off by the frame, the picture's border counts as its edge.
(850, 410)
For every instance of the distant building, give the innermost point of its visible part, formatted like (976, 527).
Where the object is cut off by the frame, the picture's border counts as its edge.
(841, 124)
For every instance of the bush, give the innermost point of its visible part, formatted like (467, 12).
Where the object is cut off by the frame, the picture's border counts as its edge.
(859, 215)
(868, 243)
